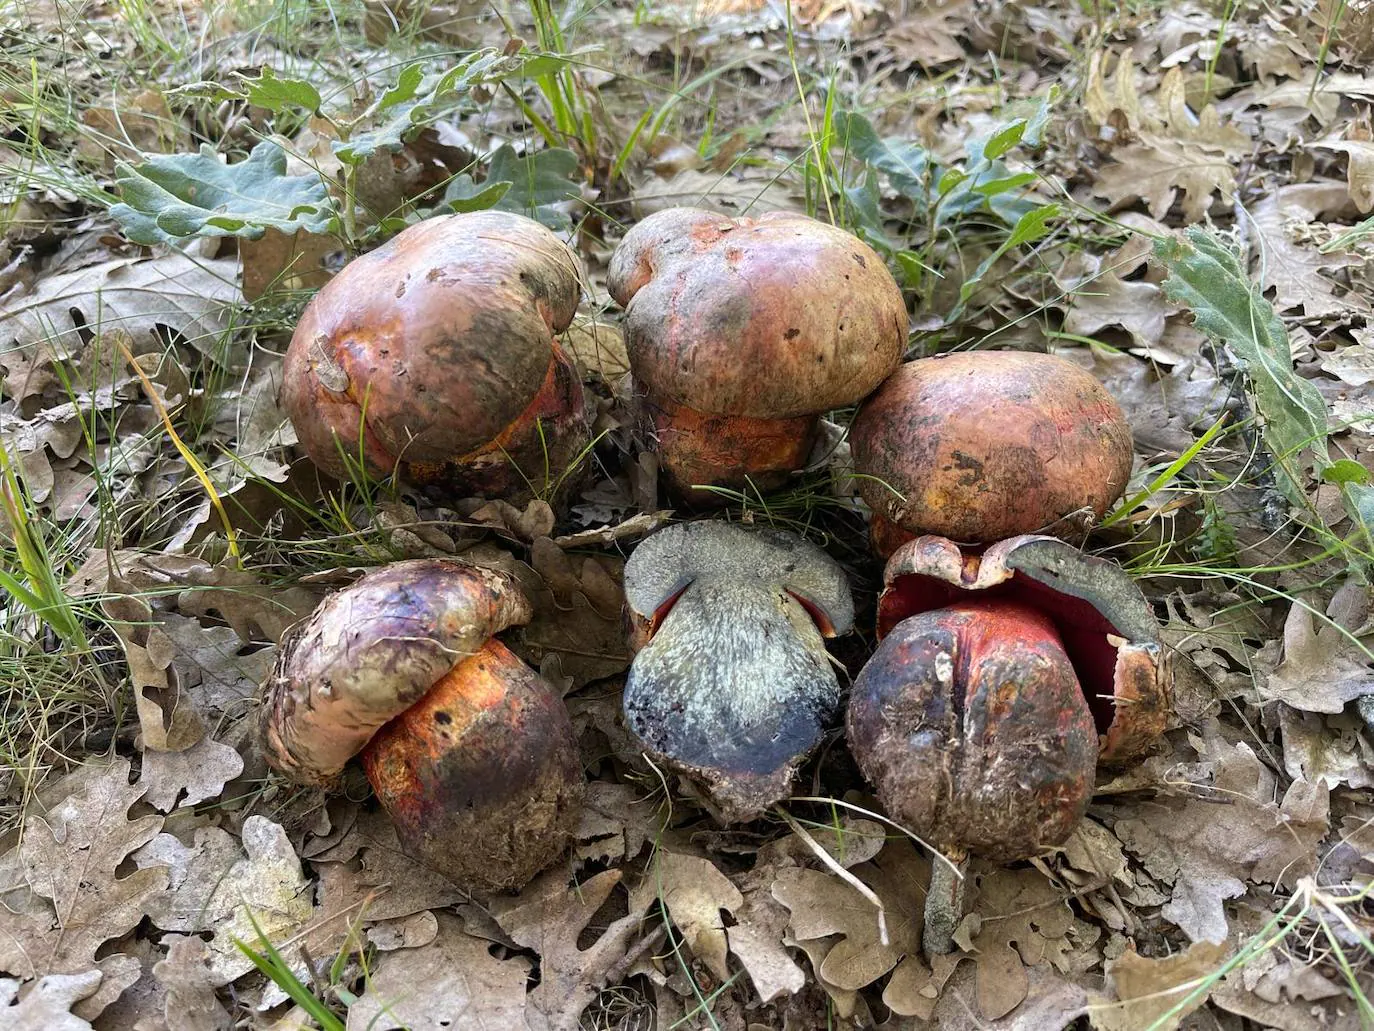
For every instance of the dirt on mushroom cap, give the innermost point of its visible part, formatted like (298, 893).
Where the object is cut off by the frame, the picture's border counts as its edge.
(370, 651)
(970, 723)
(981, 446)
(771, 317)
(443, 335)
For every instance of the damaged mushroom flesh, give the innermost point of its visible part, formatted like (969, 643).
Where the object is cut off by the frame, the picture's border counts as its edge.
(985, 445)
(436, 356)
(732, 686)
(1001, 681)
(470, 752)
(741, 332)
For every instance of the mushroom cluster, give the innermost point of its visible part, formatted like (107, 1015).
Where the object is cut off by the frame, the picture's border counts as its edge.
(1010, 664)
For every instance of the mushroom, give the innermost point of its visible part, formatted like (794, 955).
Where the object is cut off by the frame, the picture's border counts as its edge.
(470, 752)
(741, 332)
(1001, 681)
(980, 446)
(435, 356)
(731, 685)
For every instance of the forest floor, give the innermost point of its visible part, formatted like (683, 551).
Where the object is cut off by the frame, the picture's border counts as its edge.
(1016, 163)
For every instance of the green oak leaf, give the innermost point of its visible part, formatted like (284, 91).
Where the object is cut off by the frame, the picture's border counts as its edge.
(174, 196)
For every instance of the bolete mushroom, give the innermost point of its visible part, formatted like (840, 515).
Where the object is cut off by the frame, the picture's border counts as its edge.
(1001, 681)
(435, 356)
(731, 685)
(470, 752)
(742, 331)
(984, 445)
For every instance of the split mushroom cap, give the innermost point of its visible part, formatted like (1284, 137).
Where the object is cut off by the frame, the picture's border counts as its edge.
(732, 685)
(438, 350)
(1108, 629)
(470, 752)
(741, 331)
(984, 445)
(971, 725)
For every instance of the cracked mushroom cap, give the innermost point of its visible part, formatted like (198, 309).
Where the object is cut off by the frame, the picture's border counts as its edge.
(773, 317)
(1107, 627)
(732, 685)
(433, 346)
(371, 651)
(984, 445)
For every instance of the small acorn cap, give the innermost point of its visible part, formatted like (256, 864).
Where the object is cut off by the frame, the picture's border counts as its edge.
(1108, 628)
(371, 651)
(732, 685)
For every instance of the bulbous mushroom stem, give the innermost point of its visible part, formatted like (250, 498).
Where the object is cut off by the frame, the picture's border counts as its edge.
(945, 902)
(731, 452)
(487, 756)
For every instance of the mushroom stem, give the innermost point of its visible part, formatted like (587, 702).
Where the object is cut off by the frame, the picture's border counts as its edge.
(728, 451)
(944, 903)
(486, 756)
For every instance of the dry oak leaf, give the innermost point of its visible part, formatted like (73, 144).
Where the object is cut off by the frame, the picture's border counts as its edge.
(823, 905)
(1232, 830)
(548, 917)
(452, 984)
(47, 1004)
(1334, 750)
(1097, 297)
(74, 901)
(414, 886)
(693, 891)
(1323, 669)
(191, 1003)
(215, 884)
(1146, 989)
(141, 297)
(578, 630)
(1050, 1002)
(616, 822)
(1157, 168)
(173, 779)
(1287, 257)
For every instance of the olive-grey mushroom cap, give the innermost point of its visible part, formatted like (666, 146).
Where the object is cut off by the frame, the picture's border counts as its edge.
(732, 685)
(369, 652)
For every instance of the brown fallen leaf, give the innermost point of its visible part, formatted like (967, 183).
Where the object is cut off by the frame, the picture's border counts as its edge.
(188, 777)
(453, 982)
(216, 883)
(46, 1004)
(1157, 169)
(1322, 669)
(1287, 255)
(549, 917)
(1146, 989)
(278, 262)
(64, 899)
(616, 823)
(694, 892)
(1229, 831)
(578, 630)
(191, 1003)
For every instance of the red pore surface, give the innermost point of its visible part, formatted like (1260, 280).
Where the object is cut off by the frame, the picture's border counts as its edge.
(433, 345)
(985, 445)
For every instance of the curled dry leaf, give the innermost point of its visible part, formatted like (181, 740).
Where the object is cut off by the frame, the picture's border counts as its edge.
(453, 982)
(823, 905)
(577, 631)
(46, 1004)
(1323, 669)
(616, 823)
(191, 1003)
(63, 897)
